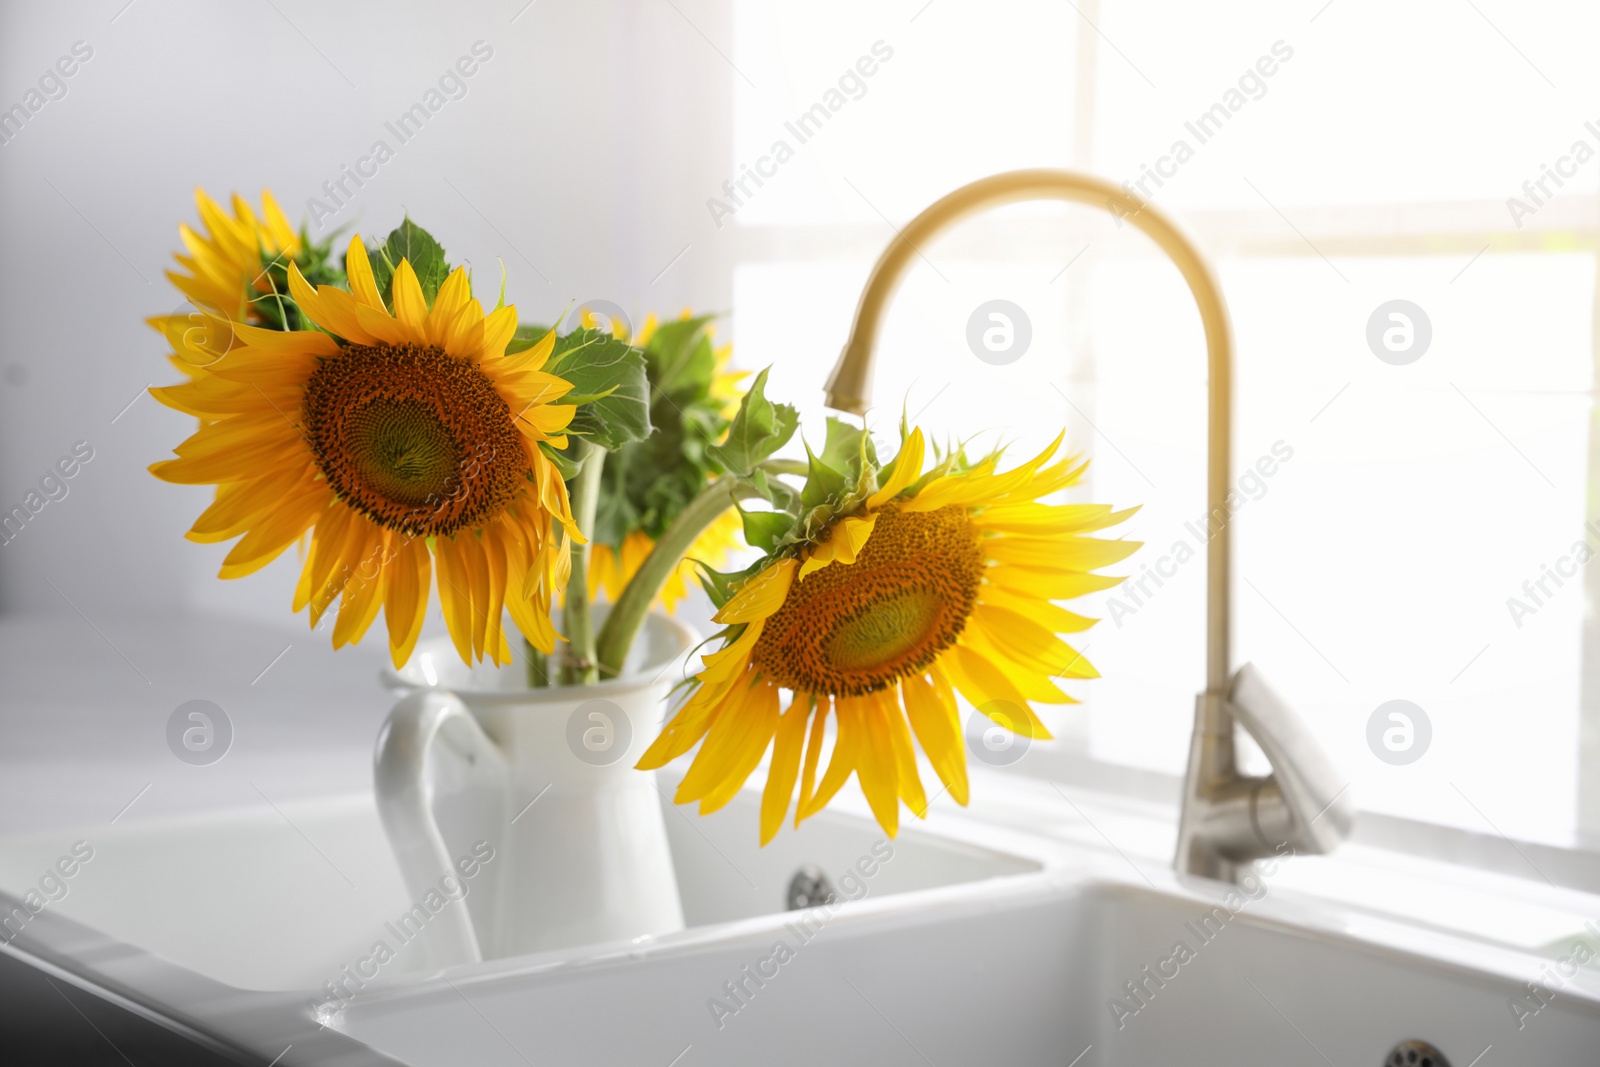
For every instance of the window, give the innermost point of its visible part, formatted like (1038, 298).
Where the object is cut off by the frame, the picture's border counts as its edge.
(1420, 535)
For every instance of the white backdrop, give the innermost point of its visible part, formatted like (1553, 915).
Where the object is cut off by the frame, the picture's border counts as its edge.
(579, 154)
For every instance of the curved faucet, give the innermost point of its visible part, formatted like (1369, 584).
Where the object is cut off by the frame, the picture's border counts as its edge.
(1228, 819)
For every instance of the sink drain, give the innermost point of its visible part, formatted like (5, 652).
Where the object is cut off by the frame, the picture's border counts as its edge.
(810, 887)
(1415, 1054)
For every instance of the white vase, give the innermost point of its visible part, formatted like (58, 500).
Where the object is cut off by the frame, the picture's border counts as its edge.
(519, 810)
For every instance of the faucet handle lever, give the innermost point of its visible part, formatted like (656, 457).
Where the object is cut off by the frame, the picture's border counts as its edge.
(1315, 792)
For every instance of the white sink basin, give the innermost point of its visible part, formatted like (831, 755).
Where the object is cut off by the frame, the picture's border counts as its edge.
(1024, 970)
(1021, 977)
(959, 943)
(281, 900)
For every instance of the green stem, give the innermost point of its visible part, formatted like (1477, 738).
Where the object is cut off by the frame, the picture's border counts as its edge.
(578, 663)
(628, 613)
(785, 466)
(538, 665)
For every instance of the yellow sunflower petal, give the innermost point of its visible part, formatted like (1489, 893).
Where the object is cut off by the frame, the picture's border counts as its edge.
(938, 729)
(1028, 643)
(498, 328)
(808, 773)
(1060, 553)
(733, 745)
(471, 552)
(907, 465)
(346, 316)
(406, 599)
(277, 343)
(842, 763)
(381, 325)
(531, 358)
(850, 535)
(363, 595)
(876, 766)
(788, 742)
(687, 727)
(1055, 619)
(1050, 518)
(277, 224)
(240, 505)
(905, 756)
(455, 596)
(727, 663)
(322, 555)
(448, 303)
(760, 595)
(363, 285)
(220, 464)
(764, 719)
(410, 306)
(1034, 683)
(281, 529)
(990, 691)
(1050, 586)
(494, 558)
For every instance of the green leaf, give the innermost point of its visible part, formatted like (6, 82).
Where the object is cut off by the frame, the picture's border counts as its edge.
(758, 478)
(613, 372)
(615, 518)
(272, 303)
(777, 493)
(824, 482)
(759, 429)
(410, 242)
(721, 585)
(848, 448)
(764, 529)
(682, 361)
(847, 466)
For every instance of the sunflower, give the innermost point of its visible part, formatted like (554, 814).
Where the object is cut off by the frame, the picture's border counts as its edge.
(225, 263)
(711, 403)
(236, 271)
(405, 442)
(929, 585)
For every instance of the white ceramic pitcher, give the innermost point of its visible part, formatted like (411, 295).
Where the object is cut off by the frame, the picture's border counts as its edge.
(471, 760)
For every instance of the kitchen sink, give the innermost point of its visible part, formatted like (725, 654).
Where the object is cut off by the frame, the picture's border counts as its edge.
(281, 898)
(1056, 968)
(959, 942)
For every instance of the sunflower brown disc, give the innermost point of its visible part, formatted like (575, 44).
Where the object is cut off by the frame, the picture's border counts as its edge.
(855, 628)
(414, 439)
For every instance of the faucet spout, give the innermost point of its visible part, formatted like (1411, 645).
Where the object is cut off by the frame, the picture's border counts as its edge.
(1312, 790)
(849, 387)
(1227, 820)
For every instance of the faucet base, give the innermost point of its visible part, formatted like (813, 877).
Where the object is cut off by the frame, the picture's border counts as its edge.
(1230, 820)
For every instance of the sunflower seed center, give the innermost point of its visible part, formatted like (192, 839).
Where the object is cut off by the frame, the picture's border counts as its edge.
(416, 440)
(851, 629)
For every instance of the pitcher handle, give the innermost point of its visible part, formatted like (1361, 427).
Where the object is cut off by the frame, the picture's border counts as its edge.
(432, 754)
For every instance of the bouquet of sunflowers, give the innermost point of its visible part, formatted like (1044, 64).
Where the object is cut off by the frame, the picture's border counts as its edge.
(369, 409)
